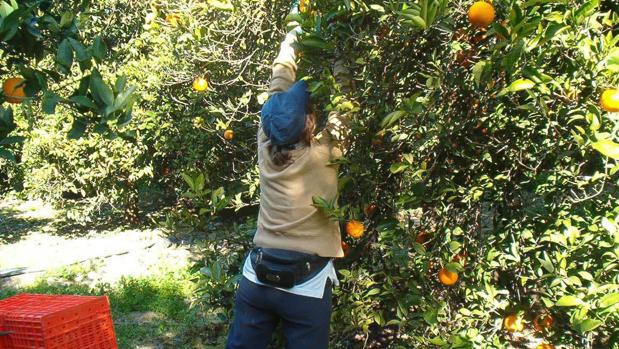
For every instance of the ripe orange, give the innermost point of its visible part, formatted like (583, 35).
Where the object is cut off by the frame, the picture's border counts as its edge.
(545, 346)
(228, 135)
(422, 237)
(13, 90)
(303, 6)
(609, 100)
(172, 20)
(355, 229)
(447, 278)
(481, 14)
(542, 322)
(513, 323)
(369, 211)
(200, 84)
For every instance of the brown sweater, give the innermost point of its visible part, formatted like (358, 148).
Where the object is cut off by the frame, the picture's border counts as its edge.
(287, 219)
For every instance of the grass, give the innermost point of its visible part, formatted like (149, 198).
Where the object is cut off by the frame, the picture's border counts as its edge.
(153, 311)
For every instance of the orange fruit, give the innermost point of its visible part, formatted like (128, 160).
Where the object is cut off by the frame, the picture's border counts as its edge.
(422, 237)
(513, 323)
(369, 211)
(200, 84)
(447, 278)
(345, 248)
(172, 20)
(609, 100)
(303, 6)
(545, 346)
(481, 14)
(228, 135)
(355, 229)
(13, 90)
(542, 322)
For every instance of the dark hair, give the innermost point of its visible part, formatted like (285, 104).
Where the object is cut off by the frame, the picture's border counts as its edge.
(280, 155)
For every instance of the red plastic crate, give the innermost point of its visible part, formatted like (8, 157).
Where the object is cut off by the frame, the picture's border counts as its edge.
(56, 322)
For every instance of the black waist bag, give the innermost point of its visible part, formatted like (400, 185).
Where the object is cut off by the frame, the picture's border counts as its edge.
(283, 268)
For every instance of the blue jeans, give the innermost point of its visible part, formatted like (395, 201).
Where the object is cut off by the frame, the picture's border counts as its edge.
(258, 309)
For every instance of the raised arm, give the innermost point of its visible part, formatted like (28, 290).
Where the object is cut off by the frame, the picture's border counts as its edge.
(284, 71)
(336, 133)
(285, 66)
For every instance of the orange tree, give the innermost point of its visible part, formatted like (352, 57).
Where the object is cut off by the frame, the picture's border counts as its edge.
(48, 61)
(492, 140)
(481, 187)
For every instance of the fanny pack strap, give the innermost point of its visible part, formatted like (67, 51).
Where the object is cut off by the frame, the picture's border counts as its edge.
(283, 268)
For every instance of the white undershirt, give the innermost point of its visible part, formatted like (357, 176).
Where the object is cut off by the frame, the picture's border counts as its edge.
(314, 287)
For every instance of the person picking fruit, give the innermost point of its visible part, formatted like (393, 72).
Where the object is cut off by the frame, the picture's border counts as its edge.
(288, 276)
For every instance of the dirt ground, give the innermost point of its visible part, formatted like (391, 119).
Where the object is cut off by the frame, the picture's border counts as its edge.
(112, 254)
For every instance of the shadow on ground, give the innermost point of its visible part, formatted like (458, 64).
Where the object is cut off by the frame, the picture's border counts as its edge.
(20, 218)
(14, 226)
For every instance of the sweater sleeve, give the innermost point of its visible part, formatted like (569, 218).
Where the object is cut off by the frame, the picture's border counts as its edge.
(284, 68)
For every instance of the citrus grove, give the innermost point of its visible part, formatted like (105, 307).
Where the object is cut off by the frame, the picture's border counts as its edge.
(478, 200)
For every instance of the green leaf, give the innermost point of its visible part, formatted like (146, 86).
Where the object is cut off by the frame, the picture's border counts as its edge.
(125, 118)
(66, 20)
(221, 5)
(391, 118)
(77, 129)
(5, 154)
(377, 8)
(346, 273)
(100, 90)
(609, 300)
(607, 147)
(612, 60)
(398, 167)
(49, 102)
(587, 9)
(99, 49)
(83, 101)
(520, 84)
(479, 70)
(80, 50)
(64, 57)
(315, 42)
(454, 267)
(511, 59)
(500, 30)
(569, 301)
(188, 180)
(12, 140)
(588, 325)
(438, 341)
(431, 316)
(5, 9)
(123, 98)
(372, 292)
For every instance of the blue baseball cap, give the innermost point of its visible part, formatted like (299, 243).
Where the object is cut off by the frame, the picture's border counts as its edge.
(284, 113)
